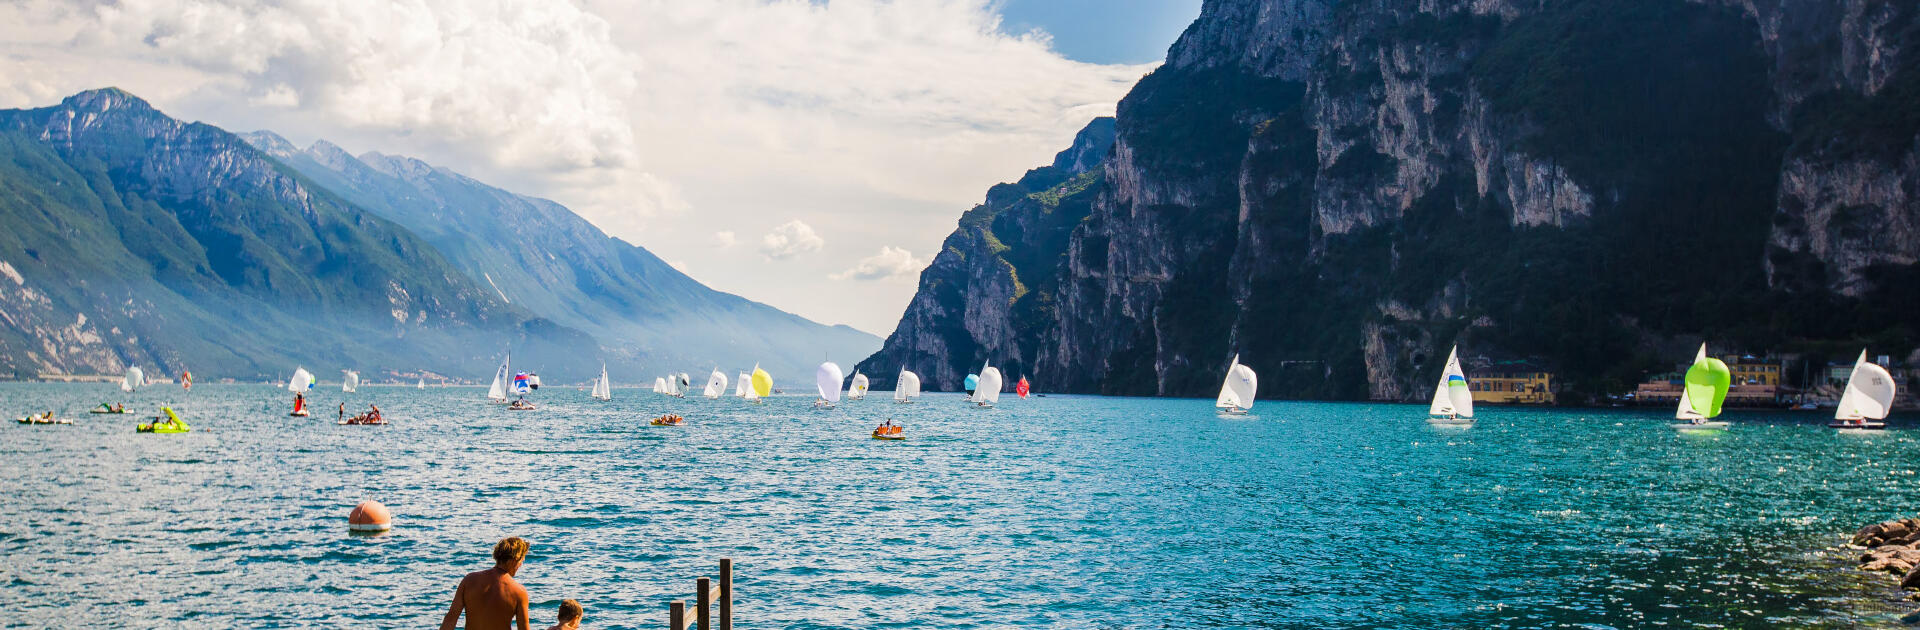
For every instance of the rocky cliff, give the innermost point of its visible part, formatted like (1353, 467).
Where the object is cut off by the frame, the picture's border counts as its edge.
(1338, 192)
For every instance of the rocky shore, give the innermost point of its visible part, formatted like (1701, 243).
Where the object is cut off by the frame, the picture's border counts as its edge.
(1893, 547)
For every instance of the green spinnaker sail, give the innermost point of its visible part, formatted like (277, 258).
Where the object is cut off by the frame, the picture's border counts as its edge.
(1707, 383)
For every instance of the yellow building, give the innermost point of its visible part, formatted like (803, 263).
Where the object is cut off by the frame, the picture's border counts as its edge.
(1514, 383)
(1748, 370)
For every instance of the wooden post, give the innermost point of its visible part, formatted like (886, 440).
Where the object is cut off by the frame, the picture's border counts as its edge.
(726, 594)
(676, 615)
(703, 603)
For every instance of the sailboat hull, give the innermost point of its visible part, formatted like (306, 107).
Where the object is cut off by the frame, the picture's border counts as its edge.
(1858, 426)
(1449, 421)
(1701, 426)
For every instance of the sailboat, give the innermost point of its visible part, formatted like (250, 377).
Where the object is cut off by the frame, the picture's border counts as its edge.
(301, 382)
(716, 385)
(826, 380)
(1237, 390)
(1452, 398)
(971, 383)
(742, 384)
(1701, 396)
(1868, 398)
(420, 384)
(135, 379)
(858, 389)
(603, 388)
(1022, 388)
(659, 385)
(349, 382)
(987, 393)
(522, 385)
(762, 384)
(906, 387)
(498, 391)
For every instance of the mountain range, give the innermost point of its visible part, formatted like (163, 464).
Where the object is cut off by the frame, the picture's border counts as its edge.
(1339, 192)
(138, 239)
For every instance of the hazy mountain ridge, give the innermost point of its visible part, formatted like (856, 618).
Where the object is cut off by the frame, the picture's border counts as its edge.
(1338, 192)
(139, 239)
(540, 256)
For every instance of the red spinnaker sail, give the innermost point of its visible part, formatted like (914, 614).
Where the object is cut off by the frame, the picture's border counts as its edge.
(1022, 387)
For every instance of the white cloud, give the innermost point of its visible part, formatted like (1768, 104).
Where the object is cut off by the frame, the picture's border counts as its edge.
(659, 120)
(724, 239)
(891, 262)
(792, 238)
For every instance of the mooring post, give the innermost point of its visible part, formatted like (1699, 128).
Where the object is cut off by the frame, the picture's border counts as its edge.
(726, 594)
(703, 603)
(677, 615)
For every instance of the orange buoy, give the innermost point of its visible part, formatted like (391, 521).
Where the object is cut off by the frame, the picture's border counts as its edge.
(370, 516)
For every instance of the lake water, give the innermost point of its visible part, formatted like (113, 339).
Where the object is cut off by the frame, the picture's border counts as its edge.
(1072, 512)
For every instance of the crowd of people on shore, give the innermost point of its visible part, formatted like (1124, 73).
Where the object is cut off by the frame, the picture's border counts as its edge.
(491, 599)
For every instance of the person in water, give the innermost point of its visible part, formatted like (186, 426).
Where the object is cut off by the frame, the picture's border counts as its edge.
(570, 616)
(374, 414)
(491, 599)
(343, 412)
(119, 408)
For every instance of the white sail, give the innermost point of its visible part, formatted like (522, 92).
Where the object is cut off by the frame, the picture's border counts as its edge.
(858, 389)
(603, 388)
(1452, 397)
(135, 379)
(990, 383)
(659, 385)
(742, 384)
(1237, 390)
(1869, 394)
(716, 384)
(349, 381)
(826, 380)
(302, 381)
(498, 391)
(420, 384)
(1685, 411)
(907, 386)
(752, 393)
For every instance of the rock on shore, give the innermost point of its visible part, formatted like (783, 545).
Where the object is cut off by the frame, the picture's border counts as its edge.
(1893, 547)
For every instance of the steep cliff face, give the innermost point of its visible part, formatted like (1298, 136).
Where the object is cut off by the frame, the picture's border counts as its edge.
(138, 239)
(1337, 192)
(540, 256)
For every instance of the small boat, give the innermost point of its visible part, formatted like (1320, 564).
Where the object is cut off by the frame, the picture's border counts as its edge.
(420, 384)
(857, 390)
(1868, 398)
(169, 423)
(741, 384)
(669, 420)
(826, 381)
(1452, 399)
(716, 385)
(889, 432)
(906, 387)
(521, 404)
(497, 392)
(1705, 389)
(1237, 390)
(103, 408)
(987, 394)
(135, 379)
(761, 385)
(602, 388)
(1021, 388)
(365, 420)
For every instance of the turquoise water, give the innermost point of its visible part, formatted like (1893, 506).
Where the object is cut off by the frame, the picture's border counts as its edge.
(1063, 511)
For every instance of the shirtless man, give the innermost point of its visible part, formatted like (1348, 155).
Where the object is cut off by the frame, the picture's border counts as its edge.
(491, 599)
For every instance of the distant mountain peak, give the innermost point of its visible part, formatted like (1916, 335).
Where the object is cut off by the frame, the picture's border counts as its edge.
(107, 99)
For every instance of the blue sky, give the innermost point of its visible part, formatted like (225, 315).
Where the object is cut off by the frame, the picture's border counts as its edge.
(1103, 31)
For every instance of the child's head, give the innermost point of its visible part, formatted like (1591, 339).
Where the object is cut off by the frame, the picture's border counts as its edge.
(571, 611)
